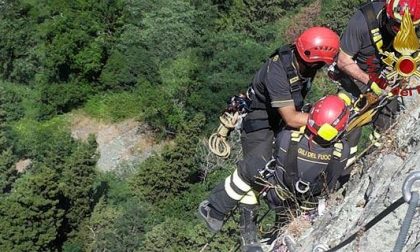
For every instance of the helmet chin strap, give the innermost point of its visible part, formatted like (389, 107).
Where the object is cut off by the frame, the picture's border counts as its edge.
(388, 28)
(309, 71)
(305, 70)
(387, 23)
(310, 143)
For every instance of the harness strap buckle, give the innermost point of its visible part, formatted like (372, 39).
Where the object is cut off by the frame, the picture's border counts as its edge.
(295, 87)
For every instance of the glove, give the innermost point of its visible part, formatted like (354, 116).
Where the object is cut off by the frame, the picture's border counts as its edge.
(345, 97)
(381, 81)
(375, 88)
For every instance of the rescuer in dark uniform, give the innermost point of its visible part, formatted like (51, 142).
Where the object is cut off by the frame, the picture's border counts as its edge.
(278, 90)
(280, 86)
(305, 161)
(370, 31)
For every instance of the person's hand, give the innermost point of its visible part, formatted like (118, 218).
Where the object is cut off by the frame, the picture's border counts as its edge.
(379, 85)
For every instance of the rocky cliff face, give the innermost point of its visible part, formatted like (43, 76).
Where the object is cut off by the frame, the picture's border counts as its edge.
(374, 186)
(126, 143)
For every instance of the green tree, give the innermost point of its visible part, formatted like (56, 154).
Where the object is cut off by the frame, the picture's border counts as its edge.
(56, 99)
(67, 168)
(78, 174)
(11, 103)
(118, 221)
(170, 27)
(7, 170)
(159, 109)
(76, 37)
(255, 17)
(47, 142)
(336, 13)
(233, 59)
(187, 235)
(94, 231)
(172, 172)
(30, 216)
(7, 158)
(18, 61)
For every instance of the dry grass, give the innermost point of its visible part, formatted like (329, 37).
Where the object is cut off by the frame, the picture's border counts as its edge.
(307, 17)
(297, 226)
(23, 165)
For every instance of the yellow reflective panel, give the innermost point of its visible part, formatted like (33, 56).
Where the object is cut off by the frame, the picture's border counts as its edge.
(327, 132)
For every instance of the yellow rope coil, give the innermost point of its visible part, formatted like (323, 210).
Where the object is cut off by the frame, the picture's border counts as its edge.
(218, 141)
(229, 120)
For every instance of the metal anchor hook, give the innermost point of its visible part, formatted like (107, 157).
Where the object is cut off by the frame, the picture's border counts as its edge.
(302, 187)
(408, 184)
(320, 248)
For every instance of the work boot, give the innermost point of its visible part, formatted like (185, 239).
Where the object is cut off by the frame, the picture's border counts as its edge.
(248, 229)
(213, 219)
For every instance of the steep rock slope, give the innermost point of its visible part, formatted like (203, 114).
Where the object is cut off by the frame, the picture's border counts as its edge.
(373, 188)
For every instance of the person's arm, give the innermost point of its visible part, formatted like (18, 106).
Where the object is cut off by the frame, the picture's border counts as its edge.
(291, 117)
(350, 45)
(346, 64)
(278, 87)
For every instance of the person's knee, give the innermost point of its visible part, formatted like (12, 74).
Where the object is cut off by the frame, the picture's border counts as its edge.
(248, 169)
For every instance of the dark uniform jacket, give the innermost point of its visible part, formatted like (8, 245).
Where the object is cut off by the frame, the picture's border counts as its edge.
(312, 163)
(272, 90)
(356, 39)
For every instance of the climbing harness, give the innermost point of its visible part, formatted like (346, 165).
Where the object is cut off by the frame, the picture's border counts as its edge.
(292, 178)
(409, 196)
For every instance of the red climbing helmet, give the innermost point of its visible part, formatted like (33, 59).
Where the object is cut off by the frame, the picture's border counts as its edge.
(395, 9)
(328, 117)
(318, 44)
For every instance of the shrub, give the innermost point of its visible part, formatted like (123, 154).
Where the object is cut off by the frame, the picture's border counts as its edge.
(336, 13)
(114, 106)
(56, 99)
(167, 175)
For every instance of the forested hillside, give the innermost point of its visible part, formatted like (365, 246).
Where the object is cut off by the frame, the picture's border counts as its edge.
(168, 63)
